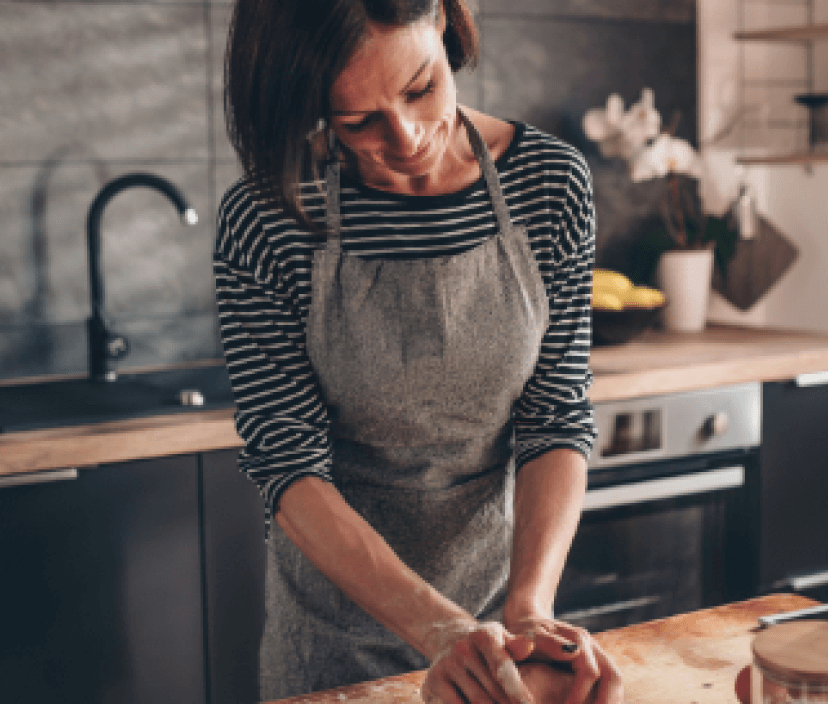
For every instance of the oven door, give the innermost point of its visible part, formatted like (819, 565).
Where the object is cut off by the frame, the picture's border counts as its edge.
(660, 539)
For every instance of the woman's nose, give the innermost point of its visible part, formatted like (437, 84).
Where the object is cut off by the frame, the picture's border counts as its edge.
(404, 134)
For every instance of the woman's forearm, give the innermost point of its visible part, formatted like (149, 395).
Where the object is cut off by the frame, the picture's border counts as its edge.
(549, 493)
(349, 552)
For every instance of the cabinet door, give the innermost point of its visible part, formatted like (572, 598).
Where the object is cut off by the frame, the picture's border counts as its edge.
(100, 587)
(794, 478)
(234, 574)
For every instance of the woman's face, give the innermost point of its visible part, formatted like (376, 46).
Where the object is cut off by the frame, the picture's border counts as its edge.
(394, 105)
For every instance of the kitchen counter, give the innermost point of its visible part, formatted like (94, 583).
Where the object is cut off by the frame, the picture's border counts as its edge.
(659, 362)
(656, 363)
(687, 659)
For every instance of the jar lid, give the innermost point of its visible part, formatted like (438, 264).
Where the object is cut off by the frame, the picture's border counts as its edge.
(794, 651)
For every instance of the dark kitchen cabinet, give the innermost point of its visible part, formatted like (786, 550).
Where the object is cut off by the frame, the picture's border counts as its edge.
(794, 489)
(101, 586)
(234, 552)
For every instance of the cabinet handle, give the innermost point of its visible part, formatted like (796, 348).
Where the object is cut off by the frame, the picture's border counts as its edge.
(811, 379)
(29, 478)
(668, 488)
(607, 609)
(808, 581)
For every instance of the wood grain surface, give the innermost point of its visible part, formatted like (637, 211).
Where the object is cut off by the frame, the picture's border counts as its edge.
(688, 659)
(118, 441)
(656, 363)
(660, 362)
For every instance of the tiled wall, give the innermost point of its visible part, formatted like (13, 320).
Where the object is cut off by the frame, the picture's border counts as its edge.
(92, 90)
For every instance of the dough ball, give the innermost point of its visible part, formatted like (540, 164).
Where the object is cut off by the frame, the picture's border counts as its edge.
(548, 684)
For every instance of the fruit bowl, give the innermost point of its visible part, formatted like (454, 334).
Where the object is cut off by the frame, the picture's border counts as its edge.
(615, 327)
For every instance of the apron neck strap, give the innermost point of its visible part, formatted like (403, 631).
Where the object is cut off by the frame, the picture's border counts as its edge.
(332, 172)
(487, 166)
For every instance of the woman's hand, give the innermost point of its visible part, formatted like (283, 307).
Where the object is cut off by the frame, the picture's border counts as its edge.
(474, 665)
(548, 683)
(596, 679)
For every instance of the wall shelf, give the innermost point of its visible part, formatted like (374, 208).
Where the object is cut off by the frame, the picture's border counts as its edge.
(806, 34)
(802, 159)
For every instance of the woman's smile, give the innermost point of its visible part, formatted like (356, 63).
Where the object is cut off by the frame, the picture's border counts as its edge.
(429, 150)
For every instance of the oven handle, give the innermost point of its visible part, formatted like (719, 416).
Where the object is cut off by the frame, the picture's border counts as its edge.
(811, 379)
(667, 488)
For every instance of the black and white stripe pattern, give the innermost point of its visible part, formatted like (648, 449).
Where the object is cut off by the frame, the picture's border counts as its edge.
(262, 268)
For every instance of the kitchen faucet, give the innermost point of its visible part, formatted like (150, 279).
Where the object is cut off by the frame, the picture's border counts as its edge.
(104, 345)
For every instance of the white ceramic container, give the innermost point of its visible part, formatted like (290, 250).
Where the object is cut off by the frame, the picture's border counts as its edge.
(684, 276)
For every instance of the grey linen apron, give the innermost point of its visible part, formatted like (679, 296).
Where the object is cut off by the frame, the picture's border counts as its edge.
(420, 362)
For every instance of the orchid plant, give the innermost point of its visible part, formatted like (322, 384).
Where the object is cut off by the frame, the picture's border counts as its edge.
(636, 135)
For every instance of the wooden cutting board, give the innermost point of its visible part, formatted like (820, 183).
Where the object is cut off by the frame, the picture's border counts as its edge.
(688, 659)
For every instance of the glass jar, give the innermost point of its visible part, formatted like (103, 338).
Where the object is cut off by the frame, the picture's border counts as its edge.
(790, 664)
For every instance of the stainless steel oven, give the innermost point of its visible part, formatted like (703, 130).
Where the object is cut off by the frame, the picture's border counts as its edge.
(671, 511)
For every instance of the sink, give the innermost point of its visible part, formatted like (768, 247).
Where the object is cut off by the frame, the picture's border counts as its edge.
(53, 404)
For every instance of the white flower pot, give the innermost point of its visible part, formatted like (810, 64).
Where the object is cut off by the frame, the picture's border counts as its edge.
(684, 277)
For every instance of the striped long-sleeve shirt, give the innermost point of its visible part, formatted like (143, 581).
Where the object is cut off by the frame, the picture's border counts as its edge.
(262, 267)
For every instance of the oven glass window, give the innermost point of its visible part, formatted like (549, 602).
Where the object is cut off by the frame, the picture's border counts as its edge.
(628, 566)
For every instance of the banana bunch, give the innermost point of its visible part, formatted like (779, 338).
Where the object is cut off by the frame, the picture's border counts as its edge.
(611, 290)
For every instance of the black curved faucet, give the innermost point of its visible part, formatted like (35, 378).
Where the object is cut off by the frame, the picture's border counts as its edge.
(105, 346)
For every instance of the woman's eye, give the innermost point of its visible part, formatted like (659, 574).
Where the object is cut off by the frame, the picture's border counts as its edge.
(429, 87)
(368, 119)
(357, 126)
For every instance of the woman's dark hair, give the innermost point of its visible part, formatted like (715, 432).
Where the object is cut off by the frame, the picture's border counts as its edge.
(282, 59)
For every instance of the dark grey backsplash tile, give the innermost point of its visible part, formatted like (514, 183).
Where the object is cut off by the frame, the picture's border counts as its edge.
(550, 72)
(624, 213)
(219, 26)
(470, 88)
(683, 11)
(41, 350)
(107, 2)
(152, 264)
(226, 175)
(102, 81)
(170, 340)
(43, 270)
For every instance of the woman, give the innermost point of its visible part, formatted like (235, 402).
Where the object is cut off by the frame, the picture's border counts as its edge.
(407, 335)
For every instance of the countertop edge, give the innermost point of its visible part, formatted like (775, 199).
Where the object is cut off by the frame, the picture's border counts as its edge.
(655, 364)
(780, 366)
(118, 441)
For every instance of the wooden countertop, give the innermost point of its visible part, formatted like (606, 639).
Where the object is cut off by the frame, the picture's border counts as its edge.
(660, 362)
(655, 363)
(688, 659)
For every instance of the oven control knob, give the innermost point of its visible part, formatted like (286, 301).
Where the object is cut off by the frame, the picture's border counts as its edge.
(716, 425)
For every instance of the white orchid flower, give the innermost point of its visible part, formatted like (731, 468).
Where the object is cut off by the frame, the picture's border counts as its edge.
(666, 155)
(606, 127)
(642, 122)
(616, 146)
(600, 124)
(621, 133)
(615, 110)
